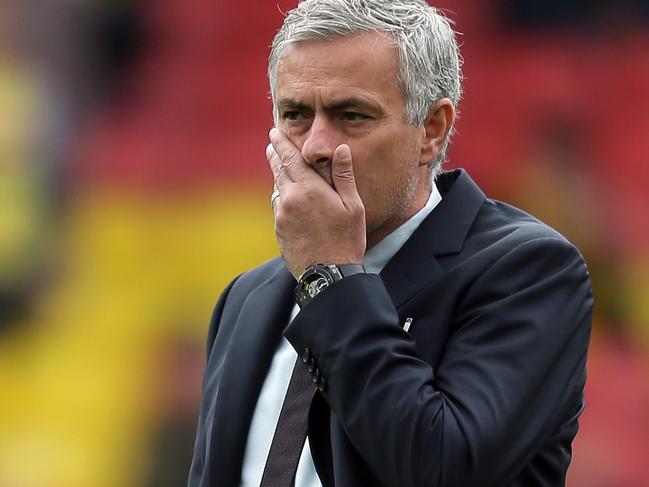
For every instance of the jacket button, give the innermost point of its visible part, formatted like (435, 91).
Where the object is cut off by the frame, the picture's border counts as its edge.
(310, 366)
(306, 355)
(321, 384)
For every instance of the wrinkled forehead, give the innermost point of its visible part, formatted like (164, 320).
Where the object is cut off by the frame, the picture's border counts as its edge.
(366, 62)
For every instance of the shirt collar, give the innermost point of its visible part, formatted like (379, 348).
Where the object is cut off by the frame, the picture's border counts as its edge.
(378, 256)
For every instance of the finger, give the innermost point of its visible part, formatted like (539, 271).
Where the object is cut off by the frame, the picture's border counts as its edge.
(274, 202)
(342, 173)
(280, 176)
(292, 162)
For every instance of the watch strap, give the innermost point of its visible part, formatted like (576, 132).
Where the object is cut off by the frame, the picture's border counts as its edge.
(351, 269)
(329, 273)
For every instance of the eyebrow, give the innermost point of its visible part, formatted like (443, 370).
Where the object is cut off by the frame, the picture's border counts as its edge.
(336, 105)
(346, 103)
(292, 105)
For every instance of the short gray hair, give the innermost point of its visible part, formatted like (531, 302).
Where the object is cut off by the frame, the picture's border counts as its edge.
(430, 65)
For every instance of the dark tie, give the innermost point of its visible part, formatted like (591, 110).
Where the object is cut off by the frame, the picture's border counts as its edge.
(290, 434)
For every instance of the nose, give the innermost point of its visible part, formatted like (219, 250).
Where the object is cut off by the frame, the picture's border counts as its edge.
(321, 142)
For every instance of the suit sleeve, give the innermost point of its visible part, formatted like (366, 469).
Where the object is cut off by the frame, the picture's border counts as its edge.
(512, 365)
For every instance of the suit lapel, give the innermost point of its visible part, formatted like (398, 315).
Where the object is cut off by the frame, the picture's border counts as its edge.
(442, 232)
(257, 332)
(410, 269)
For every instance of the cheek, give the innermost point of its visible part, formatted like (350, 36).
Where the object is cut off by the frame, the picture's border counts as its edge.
(292, 135)
(374, 177)
(382, 166)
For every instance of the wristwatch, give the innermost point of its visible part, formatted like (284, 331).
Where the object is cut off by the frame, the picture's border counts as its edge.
(320, 276)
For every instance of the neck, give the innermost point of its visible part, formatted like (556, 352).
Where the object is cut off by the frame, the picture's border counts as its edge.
(416, 203)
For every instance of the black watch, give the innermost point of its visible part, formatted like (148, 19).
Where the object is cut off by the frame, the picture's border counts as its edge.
(320, 276)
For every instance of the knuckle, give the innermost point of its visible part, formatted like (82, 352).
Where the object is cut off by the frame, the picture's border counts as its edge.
(279, 170)
(289, 202)
(279, 223)
(269, 152)
(346, 175)
(356, 209)
(288, 161)
(309, 193)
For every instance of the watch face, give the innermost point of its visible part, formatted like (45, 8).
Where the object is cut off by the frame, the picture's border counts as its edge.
(317, 285)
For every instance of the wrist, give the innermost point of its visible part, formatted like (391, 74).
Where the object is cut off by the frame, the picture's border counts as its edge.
(316, 278)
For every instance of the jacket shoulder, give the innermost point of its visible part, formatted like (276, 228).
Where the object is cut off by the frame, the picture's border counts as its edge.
(501, 225)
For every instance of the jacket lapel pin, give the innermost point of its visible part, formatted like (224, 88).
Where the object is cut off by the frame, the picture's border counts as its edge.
(407, 324)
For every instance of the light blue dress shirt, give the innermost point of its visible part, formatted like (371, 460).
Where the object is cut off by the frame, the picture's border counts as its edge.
(273, 391)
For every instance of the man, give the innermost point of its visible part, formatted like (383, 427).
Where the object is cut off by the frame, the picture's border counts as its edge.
(456, 355)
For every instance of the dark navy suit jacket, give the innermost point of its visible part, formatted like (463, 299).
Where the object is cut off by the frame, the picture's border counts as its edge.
(484, 390)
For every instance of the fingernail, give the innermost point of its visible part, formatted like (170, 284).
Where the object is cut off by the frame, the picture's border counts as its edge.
(345, 153)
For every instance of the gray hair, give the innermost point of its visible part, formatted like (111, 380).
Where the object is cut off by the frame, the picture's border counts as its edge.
(430, 65)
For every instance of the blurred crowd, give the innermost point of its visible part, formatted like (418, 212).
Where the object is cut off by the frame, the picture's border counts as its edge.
(133, 187)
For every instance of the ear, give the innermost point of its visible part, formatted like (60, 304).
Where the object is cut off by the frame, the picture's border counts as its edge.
(436, 127)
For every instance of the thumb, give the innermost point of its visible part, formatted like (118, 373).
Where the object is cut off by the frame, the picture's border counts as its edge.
(342, 173)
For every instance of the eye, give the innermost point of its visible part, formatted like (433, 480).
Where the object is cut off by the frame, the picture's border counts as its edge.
(354, 116)
(291, 115)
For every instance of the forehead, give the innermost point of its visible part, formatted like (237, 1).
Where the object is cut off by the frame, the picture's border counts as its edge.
(363, 64)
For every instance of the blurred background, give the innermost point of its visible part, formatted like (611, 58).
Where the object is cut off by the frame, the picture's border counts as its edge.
(134, 187)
